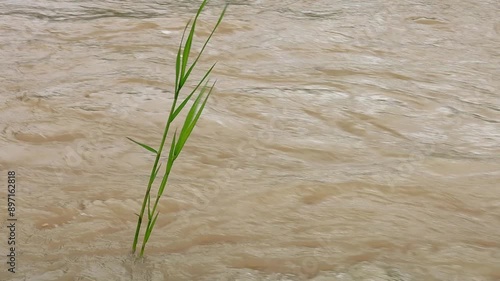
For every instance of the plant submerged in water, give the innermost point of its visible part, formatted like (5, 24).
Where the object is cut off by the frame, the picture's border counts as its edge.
(182, 73)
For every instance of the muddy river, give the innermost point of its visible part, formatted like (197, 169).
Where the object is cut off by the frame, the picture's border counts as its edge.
(346, 140)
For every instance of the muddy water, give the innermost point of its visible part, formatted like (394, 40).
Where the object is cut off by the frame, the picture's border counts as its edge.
(347, 140)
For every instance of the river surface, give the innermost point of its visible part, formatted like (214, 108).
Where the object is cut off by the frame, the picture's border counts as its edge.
(346, 140)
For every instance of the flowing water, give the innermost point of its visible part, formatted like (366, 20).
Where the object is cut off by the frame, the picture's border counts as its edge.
(346, 140)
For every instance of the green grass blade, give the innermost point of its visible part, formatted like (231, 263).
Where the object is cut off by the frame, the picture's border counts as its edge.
(206, 42)
(185, 131)
(143, 145)
(181, 106)
(186, 52)
(149, 207)
(185, 55)
(156, 172)
(171, 153)
(200, 110)
(178, 64)
(170, 162)
(149, 230)
(187, 46)
(191, 120)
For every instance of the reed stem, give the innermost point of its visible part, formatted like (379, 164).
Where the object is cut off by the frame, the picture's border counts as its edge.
(182, 73)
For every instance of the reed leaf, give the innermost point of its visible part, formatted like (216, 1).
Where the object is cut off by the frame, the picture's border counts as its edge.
(181, 106)
(156, 172)
(206, 42)
(149, 230)
(178, 72)
(191, 120)
(187, 46)
(145, 146)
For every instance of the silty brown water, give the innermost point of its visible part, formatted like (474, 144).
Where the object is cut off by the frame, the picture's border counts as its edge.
(346, 140)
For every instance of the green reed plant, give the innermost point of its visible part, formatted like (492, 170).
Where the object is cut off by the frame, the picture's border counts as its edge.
(199, 96)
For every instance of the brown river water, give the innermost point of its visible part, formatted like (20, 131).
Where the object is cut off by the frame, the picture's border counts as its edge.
(345, 141)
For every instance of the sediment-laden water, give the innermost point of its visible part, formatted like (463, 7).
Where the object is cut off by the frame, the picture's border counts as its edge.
(346, 140)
